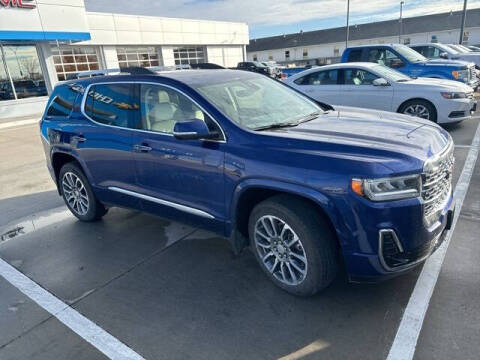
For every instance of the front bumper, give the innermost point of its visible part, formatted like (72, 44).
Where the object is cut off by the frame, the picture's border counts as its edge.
(456, 110)
(369, 264)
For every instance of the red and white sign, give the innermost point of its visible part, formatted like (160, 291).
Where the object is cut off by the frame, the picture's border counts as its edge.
(22, 4)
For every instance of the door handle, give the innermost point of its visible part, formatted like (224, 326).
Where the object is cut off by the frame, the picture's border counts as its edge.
(79, 138)
(142, 148)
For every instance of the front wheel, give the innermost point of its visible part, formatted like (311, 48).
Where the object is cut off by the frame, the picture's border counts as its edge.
(78, 195)
(293, 245)
(419, 108)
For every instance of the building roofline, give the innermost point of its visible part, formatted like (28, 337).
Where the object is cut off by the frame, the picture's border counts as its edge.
(387, 28)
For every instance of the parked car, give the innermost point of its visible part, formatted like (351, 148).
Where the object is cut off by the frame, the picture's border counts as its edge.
(374, 86)
(460, 48)
(253, 66)
(307, 186)
(274, 69)
(474, 48)
(411, 63)
(441, 51)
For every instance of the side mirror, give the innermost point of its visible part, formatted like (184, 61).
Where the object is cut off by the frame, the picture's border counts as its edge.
(380, 82)
(444, 55)
(194, 129)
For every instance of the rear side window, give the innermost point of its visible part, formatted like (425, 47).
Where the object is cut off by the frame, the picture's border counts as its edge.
(328, 77)
(63, 100)
(355, 55)
(113, 104)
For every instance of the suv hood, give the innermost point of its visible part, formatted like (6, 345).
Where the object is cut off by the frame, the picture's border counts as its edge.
(374, 130)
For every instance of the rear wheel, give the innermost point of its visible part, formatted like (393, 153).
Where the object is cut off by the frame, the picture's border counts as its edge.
(293, 244)
(419, 108)
(78, 195)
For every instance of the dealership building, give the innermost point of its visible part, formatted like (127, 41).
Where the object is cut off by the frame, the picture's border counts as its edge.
(327, 45)
(44, 41)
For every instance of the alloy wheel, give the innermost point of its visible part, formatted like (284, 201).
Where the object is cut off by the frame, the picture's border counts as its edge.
(418, 111)
(281, 250)
(75, 193)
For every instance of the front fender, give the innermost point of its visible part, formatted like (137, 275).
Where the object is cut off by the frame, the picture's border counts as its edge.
(319, 198)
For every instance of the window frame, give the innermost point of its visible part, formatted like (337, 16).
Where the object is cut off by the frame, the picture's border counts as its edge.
(87, 89)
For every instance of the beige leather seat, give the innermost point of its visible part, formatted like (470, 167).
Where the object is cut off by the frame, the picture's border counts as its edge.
(161, 115)
(165, 112)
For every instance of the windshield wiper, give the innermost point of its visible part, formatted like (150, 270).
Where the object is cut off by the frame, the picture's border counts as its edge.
(276, 126)
(309, 117)
(303, 119)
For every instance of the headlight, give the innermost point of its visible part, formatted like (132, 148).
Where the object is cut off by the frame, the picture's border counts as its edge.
(454, 95)
(460, 74)
(394, 188)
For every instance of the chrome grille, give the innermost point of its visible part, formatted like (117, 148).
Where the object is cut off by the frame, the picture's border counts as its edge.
(472, 73)
(437, 184)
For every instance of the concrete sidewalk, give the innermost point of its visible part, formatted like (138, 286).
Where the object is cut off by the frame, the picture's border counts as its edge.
(6, 123)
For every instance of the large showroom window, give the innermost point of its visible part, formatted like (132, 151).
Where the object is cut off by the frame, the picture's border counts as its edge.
(20, 73)
(189, 55)
(73, 59)
(137, 56)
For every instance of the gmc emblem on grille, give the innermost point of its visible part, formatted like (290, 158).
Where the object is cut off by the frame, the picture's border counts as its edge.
(22, 4)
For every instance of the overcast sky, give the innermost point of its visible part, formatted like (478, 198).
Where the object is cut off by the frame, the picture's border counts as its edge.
(276, 17)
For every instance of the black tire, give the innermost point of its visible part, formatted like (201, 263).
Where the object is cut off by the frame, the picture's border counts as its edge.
(316, 237)
(94, 210)
(427, 105)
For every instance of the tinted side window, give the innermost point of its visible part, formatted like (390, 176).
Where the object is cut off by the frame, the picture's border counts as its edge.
(358, 77)
(384, 57)
(162, 108)
(113, 104)
(328, 77)
(420, 49)
(355, 55)
(432, 52)
(63, 99)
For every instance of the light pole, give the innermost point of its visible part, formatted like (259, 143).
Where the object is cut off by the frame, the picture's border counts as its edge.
(348, 19)
(464, 16)
(400, 24)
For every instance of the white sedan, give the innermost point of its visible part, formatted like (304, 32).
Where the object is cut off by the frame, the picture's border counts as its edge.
(374, 86)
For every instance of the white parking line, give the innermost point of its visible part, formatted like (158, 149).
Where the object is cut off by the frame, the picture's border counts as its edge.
(403, 347)
(85, 328)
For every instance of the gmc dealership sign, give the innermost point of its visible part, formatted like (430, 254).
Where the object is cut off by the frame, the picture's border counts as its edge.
(23, 4)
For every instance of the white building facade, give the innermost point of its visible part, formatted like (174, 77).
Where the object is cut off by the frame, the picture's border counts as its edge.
(326, 46)
(44, 41)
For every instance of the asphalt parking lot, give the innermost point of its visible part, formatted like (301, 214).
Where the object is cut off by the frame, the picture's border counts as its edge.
(168, 291)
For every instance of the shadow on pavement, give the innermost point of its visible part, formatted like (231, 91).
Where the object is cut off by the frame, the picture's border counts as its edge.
(195, 300)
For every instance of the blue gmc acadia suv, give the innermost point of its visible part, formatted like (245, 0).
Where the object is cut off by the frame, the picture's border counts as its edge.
(308, 187)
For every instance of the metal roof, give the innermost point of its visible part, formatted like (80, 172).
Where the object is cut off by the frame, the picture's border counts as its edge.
(413, 25)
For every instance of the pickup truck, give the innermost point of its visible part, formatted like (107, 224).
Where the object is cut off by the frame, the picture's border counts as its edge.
(412, 63)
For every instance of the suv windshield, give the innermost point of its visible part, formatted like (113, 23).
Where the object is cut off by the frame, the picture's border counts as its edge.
(391, 74)
(409, 54)
(258, 102)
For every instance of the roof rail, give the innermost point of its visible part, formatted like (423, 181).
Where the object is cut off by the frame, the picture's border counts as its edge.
(127, 70)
